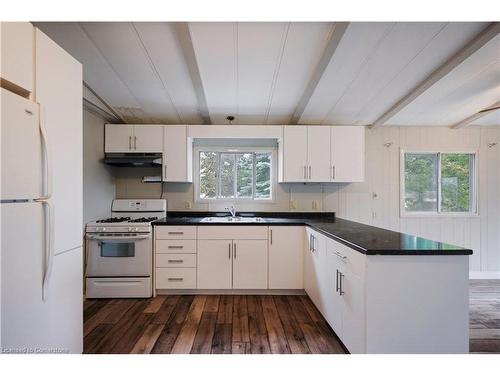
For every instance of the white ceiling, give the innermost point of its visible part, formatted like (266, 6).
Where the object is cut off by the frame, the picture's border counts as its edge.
(259, 72)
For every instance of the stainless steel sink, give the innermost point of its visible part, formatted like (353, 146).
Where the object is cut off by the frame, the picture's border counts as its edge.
(230, 219)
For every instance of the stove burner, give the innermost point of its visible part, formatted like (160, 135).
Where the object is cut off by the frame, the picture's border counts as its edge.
(113, 220)
(143, 219)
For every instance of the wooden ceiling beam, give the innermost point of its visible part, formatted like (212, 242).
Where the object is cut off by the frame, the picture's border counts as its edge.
(184, 36)
(336, 35)
(487, 34)
(469, 120)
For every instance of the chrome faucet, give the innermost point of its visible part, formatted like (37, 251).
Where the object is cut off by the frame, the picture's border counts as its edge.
(231, 210)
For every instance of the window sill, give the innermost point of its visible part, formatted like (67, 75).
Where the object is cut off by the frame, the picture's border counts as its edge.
(236, 201)
(436, 216)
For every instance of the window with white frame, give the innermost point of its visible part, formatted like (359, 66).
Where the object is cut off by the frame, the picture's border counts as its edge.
(225, 173)
(438, 183)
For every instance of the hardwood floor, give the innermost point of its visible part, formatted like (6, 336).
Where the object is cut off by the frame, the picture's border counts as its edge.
(207, 324)
(484, 316)
(245, 324)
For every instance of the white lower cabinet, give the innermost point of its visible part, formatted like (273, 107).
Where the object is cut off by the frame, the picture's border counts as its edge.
(286, 257)
(315, 268)
(250, 264)
(232, 264)
(334, 287)
(333, 304)
(353, 312)
(214, 264)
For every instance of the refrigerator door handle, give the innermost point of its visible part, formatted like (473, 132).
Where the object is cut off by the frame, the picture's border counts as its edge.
(47, 157)
(49, 246)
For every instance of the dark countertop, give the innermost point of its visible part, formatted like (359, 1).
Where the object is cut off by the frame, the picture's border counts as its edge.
(364, 238)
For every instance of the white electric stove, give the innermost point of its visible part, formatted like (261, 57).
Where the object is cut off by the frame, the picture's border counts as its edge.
(119, 250)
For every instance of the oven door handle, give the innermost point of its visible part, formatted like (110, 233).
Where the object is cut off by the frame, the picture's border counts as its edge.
(118, 238)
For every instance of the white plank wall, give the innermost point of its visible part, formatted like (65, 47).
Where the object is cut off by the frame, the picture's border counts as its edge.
(356, 202)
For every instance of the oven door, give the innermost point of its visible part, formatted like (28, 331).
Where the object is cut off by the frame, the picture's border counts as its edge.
(121, 255)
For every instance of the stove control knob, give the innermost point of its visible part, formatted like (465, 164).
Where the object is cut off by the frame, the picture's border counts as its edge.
(135, 229)
(104, 229)
(130, 229)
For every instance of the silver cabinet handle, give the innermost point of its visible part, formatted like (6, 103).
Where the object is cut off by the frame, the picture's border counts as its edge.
(310, 172)
(175, 247)
(333, 172)
(175, 232)
(130, 142)
(271, 236)
(175, 278)
(175, 261)
(305, 172)
(341, 292)
(164, 171)
(229, 251)
(234, 250)
(135, 142)
(337, 281)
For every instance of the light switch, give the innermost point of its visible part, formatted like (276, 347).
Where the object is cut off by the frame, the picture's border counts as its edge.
(293, 205)
(187, 204)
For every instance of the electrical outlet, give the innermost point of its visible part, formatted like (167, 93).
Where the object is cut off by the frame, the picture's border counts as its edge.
(188, 204)
(315, 205)
(293, 205)
(374, 215)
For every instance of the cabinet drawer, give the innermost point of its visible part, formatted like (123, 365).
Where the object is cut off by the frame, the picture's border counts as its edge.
(175, 246)
(175, 278)
(227, 232)
(183, 232)
(176, 260)
(351, 260)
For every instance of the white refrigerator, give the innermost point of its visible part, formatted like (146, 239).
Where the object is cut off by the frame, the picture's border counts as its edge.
(41, 225)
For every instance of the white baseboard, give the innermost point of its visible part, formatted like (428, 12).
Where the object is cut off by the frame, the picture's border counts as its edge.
(484, 275)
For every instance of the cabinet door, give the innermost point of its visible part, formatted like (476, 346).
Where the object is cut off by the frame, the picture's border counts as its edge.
(250, 264)
(318, 153)
(314, 259)
(353, 312)
(17, 56)
(348, 153)
(119, 138)
(294, 154)
(175, 154)
(148, 138)
(214, 264)
(333, 300)
(286, 253)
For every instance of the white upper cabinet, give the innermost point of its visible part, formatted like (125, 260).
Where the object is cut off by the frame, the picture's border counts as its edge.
(148, 138)
(118, 138)
(17, 67)
(318, 153)
(133, 138)
(348, 153)
(323, 154)
(294, 154)
(176, 154)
